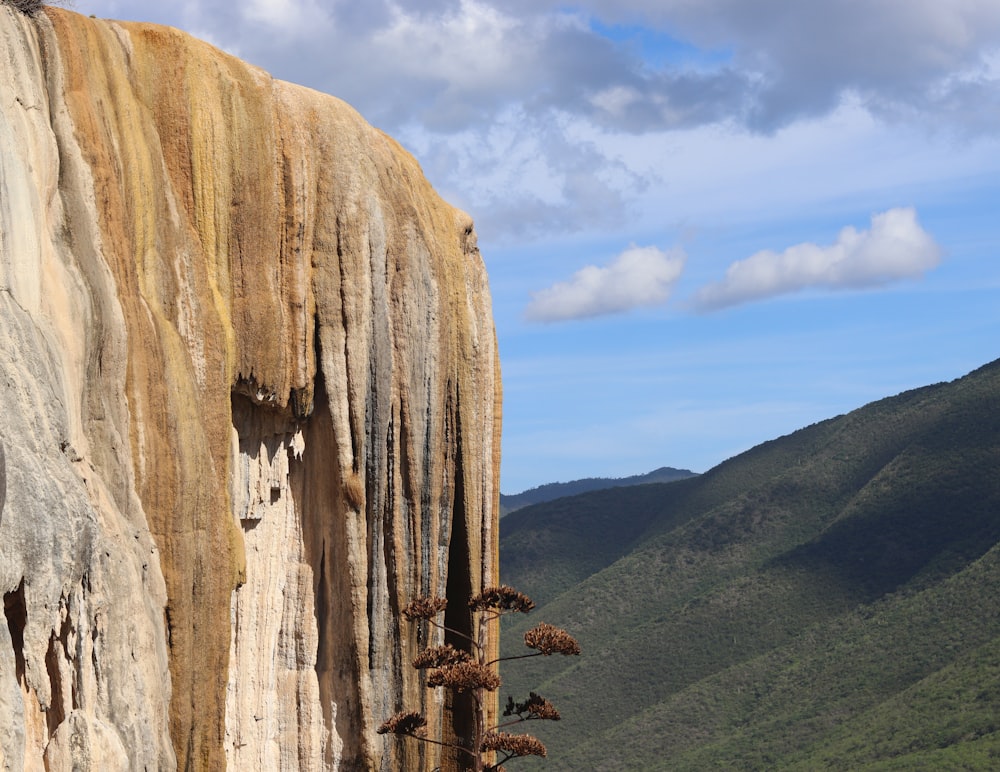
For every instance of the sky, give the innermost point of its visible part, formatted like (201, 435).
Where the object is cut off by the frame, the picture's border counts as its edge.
(707, 223)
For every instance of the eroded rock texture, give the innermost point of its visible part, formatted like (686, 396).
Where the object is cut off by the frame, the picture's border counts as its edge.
(250, 407)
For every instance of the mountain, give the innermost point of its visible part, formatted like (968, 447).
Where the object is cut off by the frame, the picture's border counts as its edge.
(251, 400)
(826, 600)
(550, 491)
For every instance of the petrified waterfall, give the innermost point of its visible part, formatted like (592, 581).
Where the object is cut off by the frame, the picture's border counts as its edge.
(250, 406)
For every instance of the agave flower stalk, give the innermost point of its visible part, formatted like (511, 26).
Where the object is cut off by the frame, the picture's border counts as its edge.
(472, 672)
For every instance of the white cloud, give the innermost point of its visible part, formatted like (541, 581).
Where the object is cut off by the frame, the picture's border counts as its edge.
(615, 100)
(896, 247)
(639, 276)
(292, 17)
(474, 45)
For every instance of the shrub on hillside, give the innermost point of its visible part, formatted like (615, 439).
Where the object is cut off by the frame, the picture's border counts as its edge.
(31, 7)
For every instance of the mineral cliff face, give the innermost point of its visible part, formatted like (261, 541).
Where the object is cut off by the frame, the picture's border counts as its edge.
(250, 406)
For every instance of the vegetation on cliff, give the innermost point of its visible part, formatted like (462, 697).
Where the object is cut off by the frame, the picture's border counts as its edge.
(31, 7)
(468, 668)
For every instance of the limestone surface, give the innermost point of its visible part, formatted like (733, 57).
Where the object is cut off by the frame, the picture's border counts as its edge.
(251, 406)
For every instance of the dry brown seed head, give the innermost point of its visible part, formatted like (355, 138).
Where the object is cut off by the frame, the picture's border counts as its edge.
(440, 656)
(465, 677)
(535, 707)
(502, 598)
(516, 744)
(549, 639)
(423, 607)
(404, 723)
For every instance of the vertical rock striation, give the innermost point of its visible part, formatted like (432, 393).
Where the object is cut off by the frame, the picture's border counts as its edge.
(251, 407)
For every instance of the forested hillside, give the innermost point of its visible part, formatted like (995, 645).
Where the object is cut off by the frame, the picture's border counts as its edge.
(826, 600)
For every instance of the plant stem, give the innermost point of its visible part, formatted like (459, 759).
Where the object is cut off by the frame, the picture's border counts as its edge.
(431, 740)
(517, 656)
(482, 653)
(453, 631)
(510, 723)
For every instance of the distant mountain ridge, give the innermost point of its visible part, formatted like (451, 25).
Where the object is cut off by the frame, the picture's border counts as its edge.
(557, 490)
(826, 600)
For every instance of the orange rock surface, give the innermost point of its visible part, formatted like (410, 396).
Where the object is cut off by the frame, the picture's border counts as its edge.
(274, 365)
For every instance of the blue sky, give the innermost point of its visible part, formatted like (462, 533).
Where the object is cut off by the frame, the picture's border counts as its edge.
(706, 224)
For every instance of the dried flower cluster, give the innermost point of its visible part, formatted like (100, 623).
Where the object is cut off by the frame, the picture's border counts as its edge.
(465, 677)
(535, 707)
(548, 639)
(502, 598)
(404, 723)
(470, 670)
(424, 608)
(513, 744)
(440, 656)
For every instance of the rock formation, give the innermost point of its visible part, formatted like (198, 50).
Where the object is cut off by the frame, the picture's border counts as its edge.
(250, 407)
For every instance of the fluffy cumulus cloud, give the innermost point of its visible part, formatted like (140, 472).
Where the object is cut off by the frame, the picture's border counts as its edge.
(639, 276)
(895, 247)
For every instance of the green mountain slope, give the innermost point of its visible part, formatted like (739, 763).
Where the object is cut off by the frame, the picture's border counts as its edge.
(826, 600)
